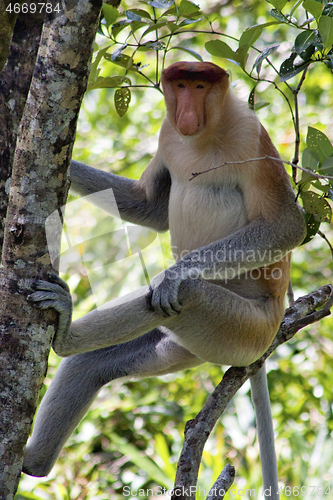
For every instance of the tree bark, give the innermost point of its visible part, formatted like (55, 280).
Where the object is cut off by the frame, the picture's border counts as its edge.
(39, 187)
(15, 80)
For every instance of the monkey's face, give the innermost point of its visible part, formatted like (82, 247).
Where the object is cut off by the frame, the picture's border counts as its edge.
(189, 89)
(190, 96)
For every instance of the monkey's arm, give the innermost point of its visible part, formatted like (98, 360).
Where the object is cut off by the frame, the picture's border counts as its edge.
(143, 202)
(260, 243)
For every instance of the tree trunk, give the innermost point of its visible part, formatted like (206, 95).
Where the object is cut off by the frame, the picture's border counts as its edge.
(39, 187)
(14, 87)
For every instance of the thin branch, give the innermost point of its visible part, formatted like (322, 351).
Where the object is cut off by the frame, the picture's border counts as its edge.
(290, 294)
(267, 157)
(295, 92)
(222, 483)
(327, 241)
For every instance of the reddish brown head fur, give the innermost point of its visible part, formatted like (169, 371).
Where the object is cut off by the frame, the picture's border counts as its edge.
(205, 71)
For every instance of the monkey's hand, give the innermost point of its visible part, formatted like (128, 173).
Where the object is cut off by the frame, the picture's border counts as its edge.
(54, 294)
(164, 289)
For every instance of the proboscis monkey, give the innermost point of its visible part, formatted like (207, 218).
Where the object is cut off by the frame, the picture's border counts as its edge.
(232, 230)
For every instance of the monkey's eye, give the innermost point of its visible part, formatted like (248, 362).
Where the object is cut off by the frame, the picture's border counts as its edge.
(180, 85)
(200, 86)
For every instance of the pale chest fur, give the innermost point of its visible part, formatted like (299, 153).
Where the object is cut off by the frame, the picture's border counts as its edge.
(211, 206)
(201, 213)
(206, 208)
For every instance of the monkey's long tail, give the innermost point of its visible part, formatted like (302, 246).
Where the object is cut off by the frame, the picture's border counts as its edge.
(262, 405)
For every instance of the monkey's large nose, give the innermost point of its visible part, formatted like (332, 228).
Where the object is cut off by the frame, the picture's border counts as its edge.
(187, 122)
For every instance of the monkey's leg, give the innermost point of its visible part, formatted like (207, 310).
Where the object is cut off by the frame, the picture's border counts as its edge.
(215, 324)
(77, 382)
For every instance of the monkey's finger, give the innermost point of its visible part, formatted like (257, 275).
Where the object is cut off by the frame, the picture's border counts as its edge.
(55, 278)
(171, 308)
(47, 286)
(166, 305)
(154, 304)
(51, 300)
(48, 304)
(169, 301)
(43, 295)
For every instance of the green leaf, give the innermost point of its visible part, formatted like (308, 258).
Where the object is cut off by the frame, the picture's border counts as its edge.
(132, 16)
(136, 25)
(306, 180)
(250, 36)
(108, 82)
(123, 60)
(186, 8)
(188, 21)
(326, 31)
(141, 460)
(278, 4)
(94, 71)
(329, 63)
(265, 53)
(288, 70)
(323, 188)
(312, 227)
(319, 144)
(118, 27)
(122, 98)
(278, 16)
(327, 167)
(251, 97)
(260, 105)
(314, 204)
(155, 27)
(188, 51)
(172, 26)
(304, 40)
(117, 53)
(295, 7)
(242, 54)
(161, 446)
(218, 48)
(160, 4)
(265, 25)
(309, 161)
(110, 14)
(328, 10)
(152, 46)
(315, 8)
(172, 11)
(141, 13)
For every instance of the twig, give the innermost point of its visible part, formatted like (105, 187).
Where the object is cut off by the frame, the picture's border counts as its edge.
(222, 483)
(295, 92)
(267, 157)
(327, 241)
(290, 294)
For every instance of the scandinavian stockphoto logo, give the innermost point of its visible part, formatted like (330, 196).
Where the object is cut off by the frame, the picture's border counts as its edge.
(103, 246)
